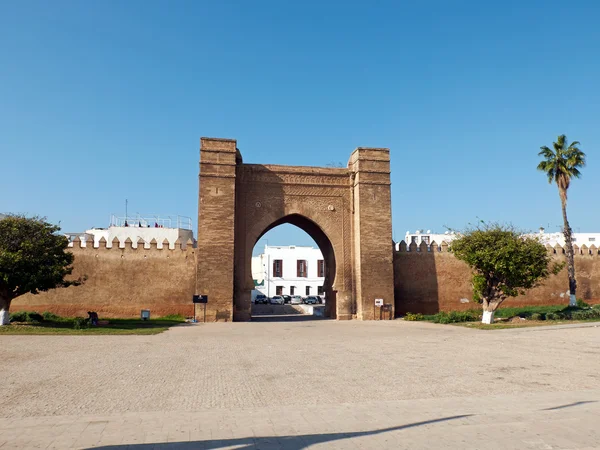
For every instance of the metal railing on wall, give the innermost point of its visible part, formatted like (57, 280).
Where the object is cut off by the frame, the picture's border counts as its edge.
(151, 221)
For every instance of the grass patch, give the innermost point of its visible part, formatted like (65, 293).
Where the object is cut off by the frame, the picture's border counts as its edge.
(76, 326)
(523, 324)
(527, 311)
(533, 315)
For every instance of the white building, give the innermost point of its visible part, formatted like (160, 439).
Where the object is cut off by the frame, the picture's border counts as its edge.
(551, 239)
(579, 239)
(428, 237)
(289, 270)
(158, 228)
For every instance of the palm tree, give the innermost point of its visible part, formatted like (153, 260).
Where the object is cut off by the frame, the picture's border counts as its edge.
(560, 165)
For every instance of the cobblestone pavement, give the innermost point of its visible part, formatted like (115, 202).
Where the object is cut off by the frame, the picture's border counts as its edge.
(317, 384)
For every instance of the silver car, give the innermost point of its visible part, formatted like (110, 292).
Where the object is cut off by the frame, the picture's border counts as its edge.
(296, 300)
(277, 300)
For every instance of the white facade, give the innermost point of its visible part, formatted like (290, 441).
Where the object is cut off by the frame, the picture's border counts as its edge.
(135, 233)
(579, 239)
(289, 270)
(552, 239)
(428, 237)
(134, 228)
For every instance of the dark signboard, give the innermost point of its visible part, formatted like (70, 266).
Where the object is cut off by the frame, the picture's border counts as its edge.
(200, 299)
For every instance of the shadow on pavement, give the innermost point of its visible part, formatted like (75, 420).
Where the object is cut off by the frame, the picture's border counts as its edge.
(570, 405)
(287, 318)
(285, 442)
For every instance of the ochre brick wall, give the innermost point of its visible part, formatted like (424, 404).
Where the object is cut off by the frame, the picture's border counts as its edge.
(373, 264)
(216, 226)
(122, 281)
(427, 282)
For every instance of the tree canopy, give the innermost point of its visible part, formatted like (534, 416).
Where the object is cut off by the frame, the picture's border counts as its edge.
(505, 262)
(33, 257)
(562, 163)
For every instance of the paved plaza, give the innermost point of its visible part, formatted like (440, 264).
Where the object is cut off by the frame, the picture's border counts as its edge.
(304, 384)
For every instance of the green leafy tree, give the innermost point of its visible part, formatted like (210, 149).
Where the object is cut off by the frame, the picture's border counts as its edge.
(561, 165)
(505, 263)
(33, 258)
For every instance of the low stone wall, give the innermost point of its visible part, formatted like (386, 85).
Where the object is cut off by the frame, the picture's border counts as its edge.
(121, 281)
(431, 279)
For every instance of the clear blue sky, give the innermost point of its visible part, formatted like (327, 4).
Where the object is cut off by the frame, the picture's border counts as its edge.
(102, 101)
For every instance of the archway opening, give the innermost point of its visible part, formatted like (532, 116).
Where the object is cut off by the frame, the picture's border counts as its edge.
(293, 272)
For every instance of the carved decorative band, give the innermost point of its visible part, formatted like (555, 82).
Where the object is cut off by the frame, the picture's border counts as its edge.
(217, 163)
(216, 150)
(373, 159)
(312, 179)
(384, 172)
(216, 175)
(380, 183)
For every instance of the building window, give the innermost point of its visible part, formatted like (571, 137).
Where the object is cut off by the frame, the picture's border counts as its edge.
(573, 239)
(414, 239)
(292, 290)
(425, 239)
(320, 268)
(278, 290)
(278, 268)
(320, 290)
(307, 290)
(301, 268)
(592, 239)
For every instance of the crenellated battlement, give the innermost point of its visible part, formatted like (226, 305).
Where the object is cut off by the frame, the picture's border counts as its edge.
(129, 244)
(401, 247)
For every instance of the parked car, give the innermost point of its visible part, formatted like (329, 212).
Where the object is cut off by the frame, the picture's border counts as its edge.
(287, 298)
(296, 300)
(261, 298)
(312, 300)
(277, 300)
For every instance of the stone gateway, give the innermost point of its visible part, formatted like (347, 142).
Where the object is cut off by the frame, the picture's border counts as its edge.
(347, 211)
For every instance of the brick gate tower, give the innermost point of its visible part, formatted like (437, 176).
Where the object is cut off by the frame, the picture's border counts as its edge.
(347, 211)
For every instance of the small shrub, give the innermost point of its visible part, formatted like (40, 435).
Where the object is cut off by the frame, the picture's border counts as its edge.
(80, 322)
(585, 314)
(582, 304)
(18, 316)
(413, 317)
(555, 316)
(455, 317)
(50, 316)
(34, 317)
(26, 316)
(537, 316)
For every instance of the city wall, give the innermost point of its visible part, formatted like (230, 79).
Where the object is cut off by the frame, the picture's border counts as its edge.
(429, 279)
(126, 277)
(122, 279)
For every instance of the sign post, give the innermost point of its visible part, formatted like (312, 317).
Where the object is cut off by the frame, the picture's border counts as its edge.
(379, 303)
(200, 299)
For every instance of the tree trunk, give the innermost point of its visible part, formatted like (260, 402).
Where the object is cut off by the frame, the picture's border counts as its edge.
(569, 252)
(488, 313)
(4, 314)
(489, 308)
